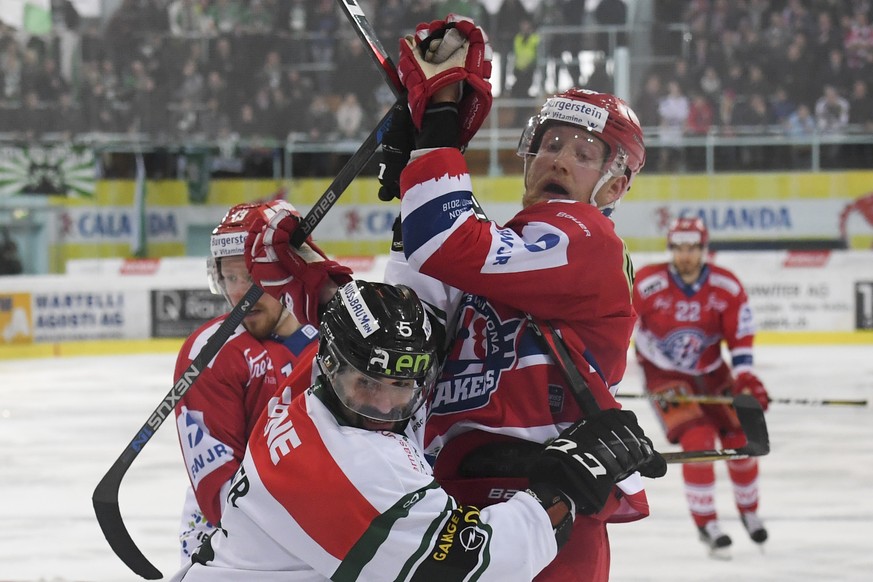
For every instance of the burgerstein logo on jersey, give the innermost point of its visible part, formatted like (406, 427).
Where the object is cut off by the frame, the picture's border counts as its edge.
(576, 112)
(484, 346)
(358, 309)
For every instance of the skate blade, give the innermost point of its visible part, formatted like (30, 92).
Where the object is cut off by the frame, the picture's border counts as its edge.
(722, 554)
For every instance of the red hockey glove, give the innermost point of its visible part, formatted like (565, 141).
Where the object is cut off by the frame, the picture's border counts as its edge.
(293, 276)
(748, 383)
(439, 54)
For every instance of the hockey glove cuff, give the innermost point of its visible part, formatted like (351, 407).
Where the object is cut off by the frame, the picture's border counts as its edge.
(558, 506)
(397, 143)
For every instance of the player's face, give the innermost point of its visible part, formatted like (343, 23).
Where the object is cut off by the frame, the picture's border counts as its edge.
(265, 315)
(377, 401)
(688, 260)
(567, 166)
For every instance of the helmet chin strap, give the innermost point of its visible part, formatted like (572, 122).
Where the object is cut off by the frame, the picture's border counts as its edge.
(282, 318)
(605, 209)
(615, 170)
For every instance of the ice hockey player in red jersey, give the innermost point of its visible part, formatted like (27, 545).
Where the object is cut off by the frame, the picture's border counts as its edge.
(214, 418)
(334, 485)
(687, 308)
(559, 259)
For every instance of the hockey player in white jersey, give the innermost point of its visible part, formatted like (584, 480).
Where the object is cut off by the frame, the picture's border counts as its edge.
(334, 484)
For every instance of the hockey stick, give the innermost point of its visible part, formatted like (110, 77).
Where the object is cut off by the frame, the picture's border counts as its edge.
(749, 411)
(704, 399)
(105, 497)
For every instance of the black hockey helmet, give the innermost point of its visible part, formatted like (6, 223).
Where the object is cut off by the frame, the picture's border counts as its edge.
(377, 350)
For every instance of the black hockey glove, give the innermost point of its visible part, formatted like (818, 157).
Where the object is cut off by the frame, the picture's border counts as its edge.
(587, 459)
(397, 143)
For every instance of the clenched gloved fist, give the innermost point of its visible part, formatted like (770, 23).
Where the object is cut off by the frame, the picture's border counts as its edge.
(294, 276)
(748, 383)
(592, 455)
(443, 53)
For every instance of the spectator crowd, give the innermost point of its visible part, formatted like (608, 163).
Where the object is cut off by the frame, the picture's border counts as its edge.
(267, 69)
(796, 68)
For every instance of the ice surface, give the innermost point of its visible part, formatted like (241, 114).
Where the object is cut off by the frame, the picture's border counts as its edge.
(64, 421)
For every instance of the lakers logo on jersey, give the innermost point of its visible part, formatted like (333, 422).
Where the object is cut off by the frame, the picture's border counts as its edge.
(485, 345)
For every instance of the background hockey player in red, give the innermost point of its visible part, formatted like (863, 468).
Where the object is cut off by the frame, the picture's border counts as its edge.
(215, 418)
(686, 309)
(559, 259)
(335, 485)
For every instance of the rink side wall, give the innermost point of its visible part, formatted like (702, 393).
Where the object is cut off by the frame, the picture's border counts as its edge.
(132, 306)
(797, 210)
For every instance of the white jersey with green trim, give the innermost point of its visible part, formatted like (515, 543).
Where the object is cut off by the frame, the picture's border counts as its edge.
(316, 499)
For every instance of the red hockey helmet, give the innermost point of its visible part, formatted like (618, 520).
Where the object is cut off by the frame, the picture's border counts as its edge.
(229, 237)
(606, 116)
(229, 240)
(687, 231)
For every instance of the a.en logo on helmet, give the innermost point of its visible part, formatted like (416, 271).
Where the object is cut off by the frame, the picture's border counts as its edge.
(405, 365)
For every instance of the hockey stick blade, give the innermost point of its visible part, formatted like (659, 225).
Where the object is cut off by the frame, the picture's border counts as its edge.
(105, 497)
(109, 517)
(754, 425)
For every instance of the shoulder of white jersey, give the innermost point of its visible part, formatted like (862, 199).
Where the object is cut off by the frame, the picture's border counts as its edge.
(721, 278)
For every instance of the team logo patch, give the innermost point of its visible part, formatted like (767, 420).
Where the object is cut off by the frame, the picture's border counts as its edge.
(652, 284)
(556, 398)
(459, 545)
(684, 347)
(484, 346)
(544, 243)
